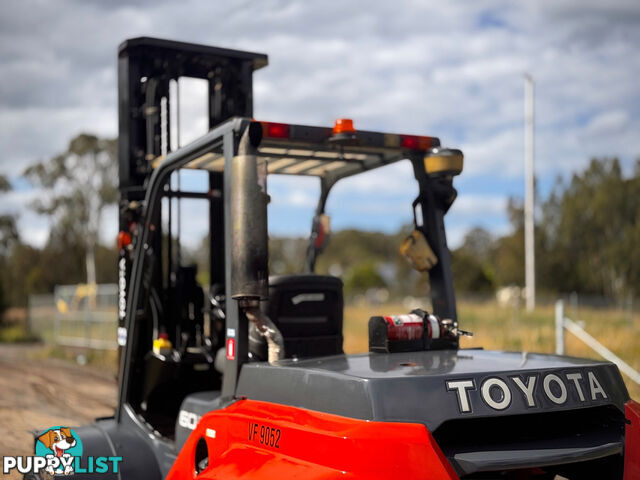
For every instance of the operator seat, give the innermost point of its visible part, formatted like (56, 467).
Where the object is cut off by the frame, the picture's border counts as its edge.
(308, 311)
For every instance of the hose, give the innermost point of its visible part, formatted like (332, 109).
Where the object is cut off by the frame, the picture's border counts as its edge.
(267, 329)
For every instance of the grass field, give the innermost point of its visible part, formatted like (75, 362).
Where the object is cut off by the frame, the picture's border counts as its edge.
(497, 328)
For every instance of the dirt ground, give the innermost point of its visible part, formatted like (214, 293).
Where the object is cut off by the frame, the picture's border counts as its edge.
(36, 394)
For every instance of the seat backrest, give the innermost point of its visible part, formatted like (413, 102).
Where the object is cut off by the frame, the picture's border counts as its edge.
(308, 311)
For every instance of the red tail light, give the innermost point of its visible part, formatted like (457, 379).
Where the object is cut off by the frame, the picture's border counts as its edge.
(275, 130)
(124, 239)
(415, 142)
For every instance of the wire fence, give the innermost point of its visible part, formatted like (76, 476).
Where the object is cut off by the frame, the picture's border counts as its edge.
(82, 316)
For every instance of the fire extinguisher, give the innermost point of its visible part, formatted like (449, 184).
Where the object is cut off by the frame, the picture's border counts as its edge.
(417, 330)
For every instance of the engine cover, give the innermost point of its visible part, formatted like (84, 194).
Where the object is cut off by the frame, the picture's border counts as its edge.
(431, 387)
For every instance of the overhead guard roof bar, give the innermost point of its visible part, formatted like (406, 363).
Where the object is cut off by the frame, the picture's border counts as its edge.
(308, 150)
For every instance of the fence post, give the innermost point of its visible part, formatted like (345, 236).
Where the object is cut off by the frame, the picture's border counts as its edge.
(559, 327)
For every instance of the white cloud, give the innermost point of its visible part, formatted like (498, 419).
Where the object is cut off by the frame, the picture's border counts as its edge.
(293, 191)
(500, 155)
(608, 122)
(34, 228)
(385, 181)
(455, 235)
(471, 206)
(452, 70)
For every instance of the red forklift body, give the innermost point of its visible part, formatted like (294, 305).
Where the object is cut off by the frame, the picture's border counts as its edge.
(261, 440)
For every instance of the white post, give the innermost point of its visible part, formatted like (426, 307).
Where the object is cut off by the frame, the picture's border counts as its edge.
(559, 327)
(529, 199)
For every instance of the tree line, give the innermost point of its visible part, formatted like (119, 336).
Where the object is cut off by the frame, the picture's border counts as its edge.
(587, 233)
(586, 237)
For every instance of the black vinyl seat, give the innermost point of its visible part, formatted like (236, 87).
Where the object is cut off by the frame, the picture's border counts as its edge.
(308, 311)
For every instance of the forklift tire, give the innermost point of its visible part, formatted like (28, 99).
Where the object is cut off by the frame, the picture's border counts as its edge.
(36, 476)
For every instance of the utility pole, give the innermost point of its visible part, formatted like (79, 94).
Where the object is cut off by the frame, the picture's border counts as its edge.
(529, 198)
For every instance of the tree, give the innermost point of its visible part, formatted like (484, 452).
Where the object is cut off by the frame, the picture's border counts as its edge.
(470, 275)
(362, 277)
(471, 263)
(77, 185)
(587, 236)
(596, 221)
(479, 243)
(8, 228)
(8, 238)
(508, 255)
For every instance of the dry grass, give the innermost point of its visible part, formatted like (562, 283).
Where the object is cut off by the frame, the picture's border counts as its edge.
(497, 328)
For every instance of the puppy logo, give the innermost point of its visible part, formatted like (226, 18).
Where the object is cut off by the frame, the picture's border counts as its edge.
(60, 446)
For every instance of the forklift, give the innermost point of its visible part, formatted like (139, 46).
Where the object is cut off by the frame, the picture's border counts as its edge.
(245, 376)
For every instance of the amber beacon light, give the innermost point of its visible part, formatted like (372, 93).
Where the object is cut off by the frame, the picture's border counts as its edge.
(343, 125)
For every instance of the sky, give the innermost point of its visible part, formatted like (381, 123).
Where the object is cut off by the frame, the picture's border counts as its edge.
(453, 70)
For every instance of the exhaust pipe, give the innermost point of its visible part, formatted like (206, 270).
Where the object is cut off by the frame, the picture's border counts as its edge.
(249, 237)
(249, 243)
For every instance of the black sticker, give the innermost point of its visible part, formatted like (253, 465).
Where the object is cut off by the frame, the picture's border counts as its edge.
(264, 435)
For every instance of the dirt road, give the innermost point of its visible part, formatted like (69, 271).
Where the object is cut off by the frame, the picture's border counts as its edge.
(37, 394)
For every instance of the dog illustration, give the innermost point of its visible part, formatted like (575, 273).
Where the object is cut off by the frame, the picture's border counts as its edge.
(58, 440)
